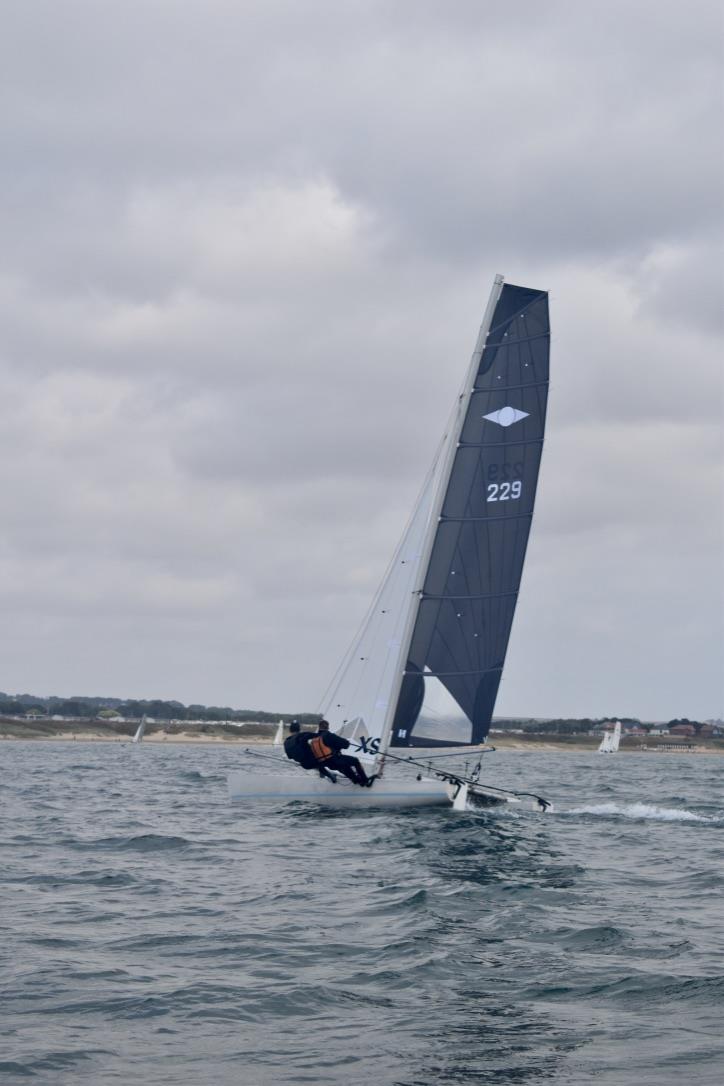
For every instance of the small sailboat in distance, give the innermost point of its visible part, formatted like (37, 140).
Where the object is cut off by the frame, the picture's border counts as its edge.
(425, 666)
(279, 734)
(140, 730)
(611, 739)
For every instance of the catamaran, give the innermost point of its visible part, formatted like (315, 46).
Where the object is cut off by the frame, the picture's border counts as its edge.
(140, 730)
(611, 739)
(425, 666)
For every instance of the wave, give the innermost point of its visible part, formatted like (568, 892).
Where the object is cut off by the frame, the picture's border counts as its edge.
(51, 1061)
(642, 989)
(144, 842)
(641, 811)
(601, 937)
(107, 879)
(194, 775)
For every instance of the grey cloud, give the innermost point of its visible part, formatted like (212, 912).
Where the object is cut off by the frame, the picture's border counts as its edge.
(683, 285)
(245, 254)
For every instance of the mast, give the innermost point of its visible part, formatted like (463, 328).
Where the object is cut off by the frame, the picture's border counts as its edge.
(453, 439)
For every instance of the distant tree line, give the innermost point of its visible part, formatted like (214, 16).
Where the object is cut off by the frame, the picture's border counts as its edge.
(697, 725)
(579, 726)
(567, 726)
(89, 708)
(131, 709)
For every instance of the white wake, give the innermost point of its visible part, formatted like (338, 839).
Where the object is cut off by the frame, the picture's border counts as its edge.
(644, 811)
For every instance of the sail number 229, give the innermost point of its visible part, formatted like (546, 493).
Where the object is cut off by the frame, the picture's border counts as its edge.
(500, 487)
(503, 492)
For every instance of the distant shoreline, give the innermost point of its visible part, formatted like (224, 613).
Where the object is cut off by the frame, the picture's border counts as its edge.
(535, 744)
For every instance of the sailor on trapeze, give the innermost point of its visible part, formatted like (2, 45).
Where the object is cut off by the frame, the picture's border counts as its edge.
(296, 748)
(326, 747)
(323, 752)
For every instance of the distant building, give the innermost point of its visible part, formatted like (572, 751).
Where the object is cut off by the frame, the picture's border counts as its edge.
(683, 729)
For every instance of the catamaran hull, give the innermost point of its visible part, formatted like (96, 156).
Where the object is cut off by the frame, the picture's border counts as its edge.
(278, 789)
(253, 787)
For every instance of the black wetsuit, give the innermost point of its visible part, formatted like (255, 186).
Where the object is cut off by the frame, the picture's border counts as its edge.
(351, 767)
(296, 748)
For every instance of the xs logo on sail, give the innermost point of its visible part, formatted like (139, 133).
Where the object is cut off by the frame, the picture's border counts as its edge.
(365, 745)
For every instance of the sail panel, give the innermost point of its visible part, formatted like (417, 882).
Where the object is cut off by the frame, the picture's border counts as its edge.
(519, 333)
(463, 644)
(468, 596)
(493, 483)
(498, 545)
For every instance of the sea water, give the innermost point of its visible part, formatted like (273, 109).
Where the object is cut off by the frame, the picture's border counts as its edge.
(152, 933)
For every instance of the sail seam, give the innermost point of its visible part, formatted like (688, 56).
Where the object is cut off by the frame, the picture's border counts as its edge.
(509, 388)
(485, 596)
(445, 674)
(500, 444)
(522, 339)
(490, 519)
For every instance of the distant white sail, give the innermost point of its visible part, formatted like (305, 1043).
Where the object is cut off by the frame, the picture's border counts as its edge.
(279, 734)
(140, 730)
(609, 743)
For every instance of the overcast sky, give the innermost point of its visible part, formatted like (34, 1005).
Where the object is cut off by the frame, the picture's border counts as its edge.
(245, 251)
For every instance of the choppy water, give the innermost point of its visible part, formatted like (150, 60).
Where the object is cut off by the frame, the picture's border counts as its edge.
(151, 933)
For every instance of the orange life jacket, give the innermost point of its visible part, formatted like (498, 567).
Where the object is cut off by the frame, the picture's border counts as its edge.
(319, 749)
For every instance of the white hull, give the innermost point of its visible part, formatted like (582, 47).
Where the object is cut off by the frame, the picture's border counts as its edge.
(286, 788)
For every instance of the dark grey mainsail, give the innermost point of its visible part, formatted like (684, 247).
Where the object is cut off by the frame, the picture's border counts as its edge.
(466, 604)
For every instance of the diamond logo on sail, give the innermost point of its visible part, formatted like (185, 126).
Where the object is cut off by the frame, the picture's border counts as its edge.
(506, 416)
